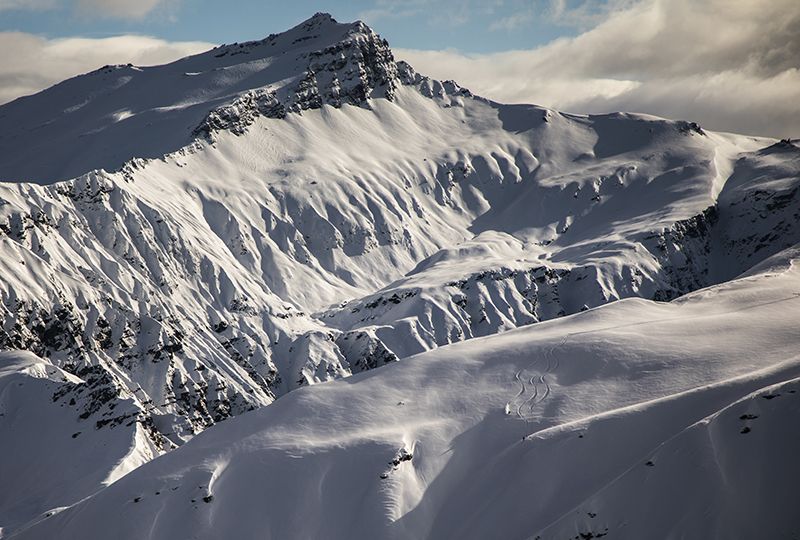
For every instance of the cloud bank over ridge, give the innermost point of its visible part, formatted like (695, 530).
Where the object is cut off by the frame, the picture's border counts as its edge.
(733, 66)
(32, 63)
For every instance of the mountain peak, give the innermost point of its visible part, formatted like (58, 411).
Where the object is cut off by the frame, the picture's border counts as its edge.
(330, 64)
(319, 18)
(113, 110)
(319, 61)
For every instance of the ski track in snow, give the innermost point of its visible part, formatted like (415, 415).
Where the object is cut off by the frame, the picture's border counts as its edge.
(524, 408)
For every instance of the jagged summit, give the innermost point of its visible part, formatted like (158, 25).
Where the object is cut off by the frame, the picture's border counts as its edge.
(319, 30)
(107, 117)
(343, 64)
(317, 21)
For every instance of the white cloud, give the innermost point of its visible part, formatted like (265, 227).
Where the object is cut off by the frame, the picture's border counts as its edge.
(393, 9)
(118, 9)
(729, 65)
(512, 22)
(436, 13)
(32, 5)
(123, 9)
(31, 63)
(585, 14)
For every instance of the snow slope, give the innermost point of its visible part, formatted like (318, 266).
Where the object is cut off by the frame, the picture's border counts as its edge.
(106, 117)
(50, 458)
(311, 209)
(636, 420)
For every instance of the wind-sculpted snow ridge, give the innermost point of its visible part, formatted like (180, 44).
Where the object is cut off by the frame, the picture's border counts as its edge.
(313, 209)
(633, 420)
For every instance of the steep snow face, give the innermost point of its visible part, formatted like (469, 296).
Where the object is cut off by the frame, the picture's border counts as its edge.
(758, 208)
(311, 209)
(549, 431)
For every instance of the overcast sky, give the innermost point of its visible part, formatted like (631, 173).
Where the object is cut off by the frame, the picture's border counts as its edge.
(732, 65)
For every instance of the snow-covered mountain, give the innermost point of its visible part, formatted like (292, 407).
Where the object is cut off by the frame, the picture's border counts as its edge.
(188, 242)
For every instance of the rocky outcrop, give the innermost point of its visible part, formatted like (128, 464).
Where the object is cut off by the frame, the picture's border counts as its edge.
(356, 69)
(684, 254)
(352, 71)
(364, 351)
(237, 116)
